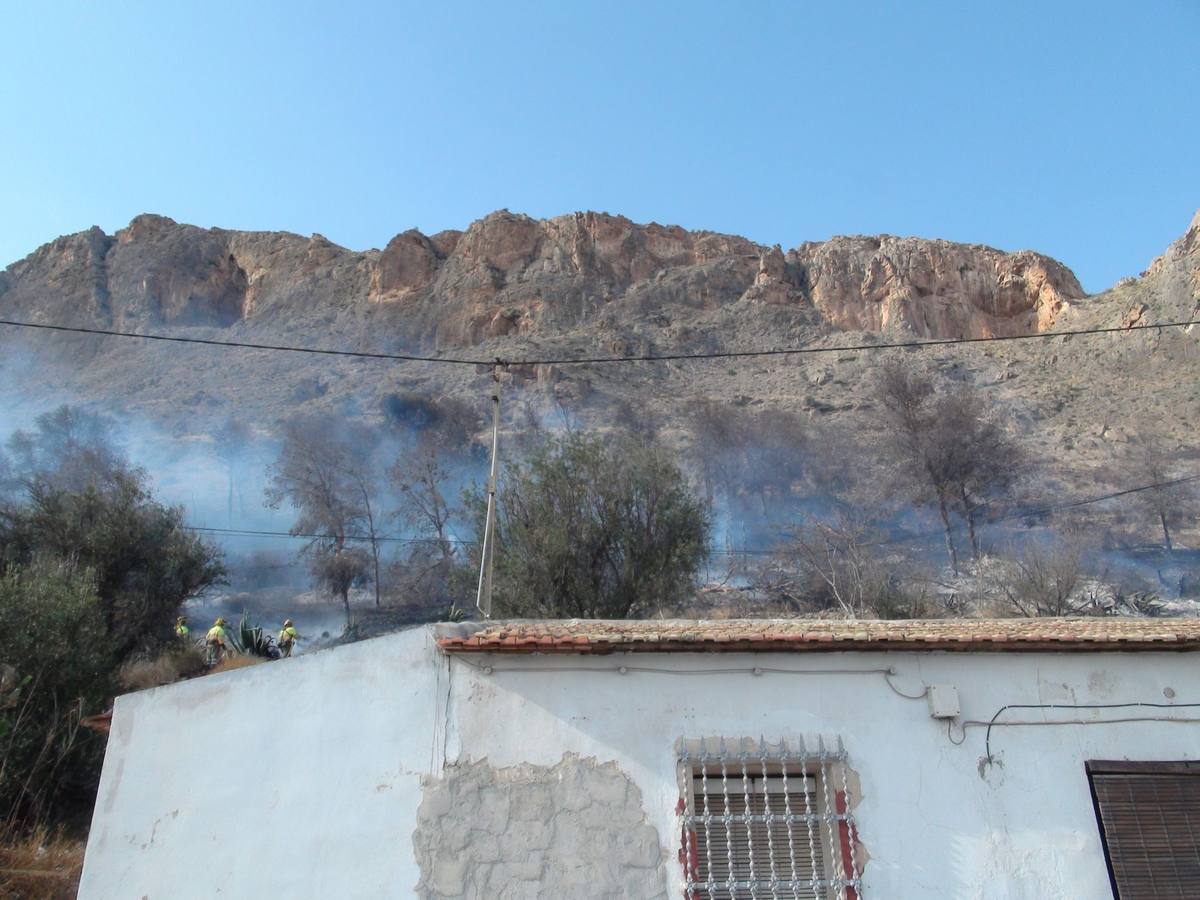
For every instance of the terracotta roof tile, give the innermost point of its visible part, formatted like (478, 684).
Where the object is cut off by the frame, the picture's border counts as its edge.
(813, 635)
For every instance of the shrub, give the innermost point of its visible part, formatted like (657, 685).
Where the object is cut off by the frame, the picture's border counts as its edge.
(1045, 581)
(52, 636)
(144, 562)
(594, 529)
(39, 864)
(173, 664)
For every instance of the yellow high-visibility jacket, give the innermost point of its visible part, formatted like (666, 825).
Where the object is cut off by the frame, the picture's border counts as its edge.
(287, 636)
(216, 635)
(182, 631)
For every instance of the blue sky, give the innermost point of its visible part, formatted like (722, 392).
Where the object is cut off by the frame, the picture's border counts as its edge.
(1067, 127)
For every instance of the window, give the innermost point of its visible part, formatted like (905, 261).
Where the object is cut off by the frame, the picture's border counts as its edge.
(1149, 816)
(767, 821)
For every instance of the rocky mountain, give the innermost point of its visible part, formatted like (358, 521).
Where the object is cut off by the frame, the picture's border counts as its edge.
(511, 286)
(510, 274)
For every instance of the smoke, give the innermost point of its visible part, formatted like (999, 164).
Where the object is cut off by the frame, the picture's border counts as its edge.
(764, 474)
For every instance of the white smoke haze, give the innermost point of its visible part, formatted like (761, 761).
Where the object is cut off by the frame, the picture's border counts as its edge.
(217, 474)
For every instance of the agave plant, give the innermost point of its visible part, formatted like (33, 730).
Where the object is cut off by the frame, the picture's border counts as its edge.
(251, 640)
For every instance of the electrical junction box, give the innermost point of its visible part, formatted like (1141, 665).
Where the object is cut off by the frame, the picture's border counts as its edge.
(943, 701)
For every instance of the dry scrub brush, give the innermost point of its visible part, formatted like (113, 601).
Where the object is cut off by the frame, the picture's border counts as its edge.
(39, 865)
(173, 664)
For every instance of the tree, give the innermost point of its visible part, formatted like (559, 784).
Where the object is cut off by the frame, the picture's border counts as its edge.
(749, 463)
(835, 562)
(9, 486)
(775, 454)
(949, 451)
(230, 441)
(421, 480)
(362, 474)
(593, 529)
(325, 471)
(69, 449)
(717, 449)
(58, 668)
(93, 571)
(1173, 500)
(338, 569)
(987, 463)
(430, 461)
(1045, 581)
(78, 498)
(145, 562)
(841, 555)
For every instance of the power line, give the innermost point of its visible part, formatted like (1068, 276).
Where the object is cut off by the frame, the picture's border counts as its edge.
(361, 354)
(390, 539)
(397, 539)
(1021, 514)
(1046, 510)
(799, 351)
(596, 360)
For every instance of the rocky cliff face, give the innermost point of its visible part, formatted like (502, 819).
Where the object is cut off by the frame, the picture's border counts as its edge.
(934, 288)
(1184, 251)
(592, 284)
(510, 275)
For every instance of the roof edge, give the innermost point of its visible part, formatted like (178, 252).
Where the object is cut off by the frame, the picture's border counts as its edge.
(592, 637)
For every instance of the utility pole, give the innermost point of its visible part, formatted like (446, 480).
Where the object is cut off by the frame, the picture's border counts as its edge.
(483, 597)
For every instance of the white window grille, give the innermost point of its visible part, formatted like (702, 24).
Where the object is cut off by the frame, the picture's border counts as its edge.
(767, 821)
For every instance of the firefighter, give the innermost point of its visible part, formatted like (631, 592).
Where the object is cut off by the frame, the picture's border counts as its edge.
(181, 628)
(287, 638)
(215, 641)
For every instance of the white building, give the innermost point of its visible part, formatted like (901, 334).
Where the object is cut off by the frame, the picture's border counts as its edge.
(769, 759)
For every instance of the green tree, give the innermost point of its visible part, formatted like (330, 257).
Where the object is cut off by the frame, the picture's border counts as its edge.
(93, 570)
(592, 529)
(145, 562)
(57, 668)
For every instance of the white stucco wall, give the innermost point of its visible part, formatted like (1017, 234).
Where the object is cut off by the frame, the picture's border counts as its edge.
(299, 778)
(304, 777)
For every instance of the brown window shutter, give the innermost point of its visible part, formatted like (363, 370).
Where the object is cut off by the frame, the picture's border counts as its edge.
(1149, 815)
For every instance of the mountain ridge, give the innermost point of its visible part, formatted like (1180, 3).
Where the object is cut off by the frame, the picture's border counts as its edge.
(508, 272)
(591, 284)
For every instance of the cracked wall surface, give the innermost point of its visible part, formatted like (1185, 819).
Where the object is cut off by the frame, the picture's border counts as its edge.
(576, 829)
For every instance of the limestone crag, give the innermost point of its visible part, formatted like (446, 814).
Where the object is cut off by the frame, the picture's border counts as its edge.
(587, 285)
(934, 288)
(509, 274)
(1186, 249)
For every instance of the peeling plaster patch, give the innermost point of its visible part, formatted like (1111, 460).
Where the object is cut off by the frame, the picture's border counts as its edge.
(576, 829)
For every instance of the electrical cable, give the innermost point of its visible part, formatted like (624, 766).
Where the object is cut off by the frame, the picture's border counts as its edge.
(921, 696)
(1021, 514)
(245, 345)
(391, 539)
(801, 351)
(252, 532)
(1046, 510)
(309, 535)
(992, 723)
(950, 734)
(657, 670)
(597, 360)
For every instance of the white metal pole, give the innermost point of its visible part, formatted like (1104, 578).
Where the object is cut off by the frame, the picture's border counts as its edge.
(483, 597)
